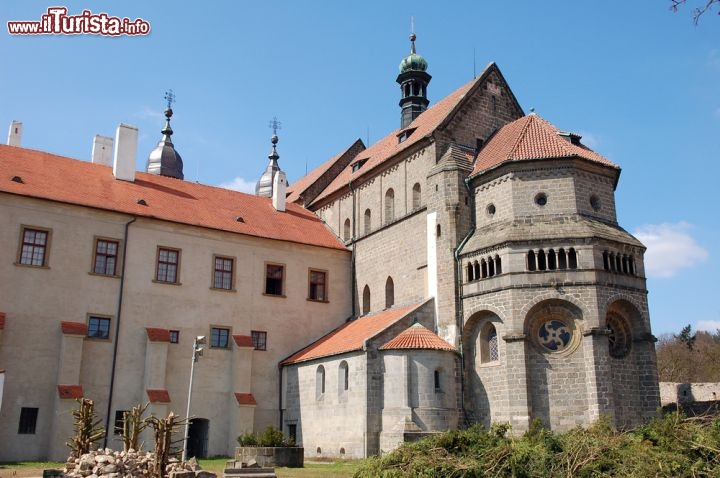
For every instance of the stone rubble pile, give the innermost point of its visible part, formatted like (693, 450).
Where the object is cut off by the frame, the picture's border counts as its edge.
(106, 463)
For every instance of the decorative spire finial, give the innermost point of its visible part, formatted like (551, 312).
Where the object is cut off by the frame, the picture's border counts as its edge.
(412, 35)
(275, 125)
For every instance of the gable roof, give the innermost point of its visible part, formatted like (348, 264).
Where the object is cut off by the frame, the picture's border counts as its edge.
(532, 137)
(417, 337)
(41, 175)
(422, 127)
(299, 187)
(351, 336)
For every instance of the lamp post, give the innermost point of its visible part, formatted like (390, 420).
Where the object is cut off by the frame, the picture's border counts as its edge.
(197, 352)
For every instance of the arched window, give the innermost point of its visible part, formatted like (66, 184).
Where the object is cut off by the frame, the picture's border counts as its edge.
(389, 206)
(368, 221)
(470, 276)
(491, 267)
(572, 258)
(606, 262)
(488, 344)
(416, 196)
(346, 230)
(319, 382)
(436, 379)
(483, 268)
(389, 293)
(343, 377)
(625, 264)
(498, 265)
(562, 259)
(531, 260)
(552, 262)
(476, 266)
(631, 265)
(366, 300)
(541, 260)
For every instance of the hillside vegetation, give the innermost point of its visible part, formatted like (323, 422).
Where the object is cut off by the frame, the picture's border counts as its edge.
(670, 446)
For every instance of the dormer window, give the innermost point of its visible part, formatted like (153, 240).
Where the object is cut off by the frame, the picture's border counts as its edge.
(572, 138)
(358, 164)
(405, 134)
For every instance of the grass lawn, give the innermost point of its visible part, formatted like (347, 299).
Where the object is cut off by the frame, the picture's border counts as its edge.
(339, 469)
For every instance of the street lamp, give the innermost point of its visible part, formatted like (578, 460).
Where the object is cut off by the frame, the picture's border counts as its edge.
(197, 352)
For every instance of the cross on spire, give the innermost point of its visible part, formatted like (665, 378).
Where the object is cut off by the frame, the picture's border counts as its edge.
(275, 125)
(170, 98)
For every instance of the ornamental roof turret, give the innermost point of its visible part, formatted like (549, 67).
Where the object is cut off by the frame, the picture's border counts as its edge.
(164, 159)
(413, 80)
(264, 186)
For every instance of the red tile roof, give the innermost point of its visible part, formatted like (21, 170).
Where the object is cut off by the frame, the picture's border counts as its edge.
(388, 147)
(243, 340)
(417, 337)
(70, 391)
(245, 399)
(296, 189)
(2, 320)
(158, 335)
(531, 137)
(158, 395)
(73, 328)
(56, 178)
(351, 336)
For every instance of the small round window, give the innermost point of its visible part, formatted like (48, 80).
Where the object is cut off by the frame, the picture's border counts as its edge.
(554, 335)
(491, 209)
(541, 199)
(595, 202)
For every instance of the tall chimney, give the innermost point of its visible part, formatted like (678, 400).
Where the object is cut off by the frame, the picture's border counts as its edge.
(102, 150)
(126, 140)
(15, 134)
(278, 192)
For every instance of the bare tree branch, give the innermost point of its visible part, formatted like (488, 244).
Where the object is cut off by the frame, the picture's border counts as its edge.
(698, 11)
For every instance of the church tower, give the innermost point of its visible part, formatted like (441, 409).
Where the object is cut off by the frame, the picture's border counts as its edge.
(164, 160)
(413, 80)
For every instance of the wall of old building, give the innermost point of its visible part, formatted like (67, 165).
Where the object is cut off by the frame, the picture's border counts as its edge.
(37, 299)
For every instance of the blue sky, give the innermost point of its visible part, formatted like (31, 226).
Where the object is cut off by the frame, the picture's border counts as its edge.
(636, 80)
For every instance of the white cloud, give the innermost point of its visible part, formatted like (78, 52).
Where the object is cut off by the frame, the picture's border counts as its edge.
(670, 247)
(708, 325)
(240, 184)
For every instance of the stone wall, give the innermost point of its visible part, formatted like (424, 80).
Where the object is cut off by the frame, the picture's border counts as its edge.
(674, 392)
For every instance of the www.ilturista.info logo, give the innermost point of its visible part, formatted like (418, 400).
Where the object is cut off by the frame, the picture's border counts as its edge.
(57, 22)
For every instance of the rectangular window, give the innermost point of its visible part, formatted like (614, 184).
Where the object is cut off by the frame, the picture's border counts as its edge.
(316, 288)
(34, 245)
(28, 421)
(219, 337)
(259, 339)
(274, 279)
(98, 327)
(168, 261)
(106, 255)
(223, 277)
(174, 336)
(119, 421)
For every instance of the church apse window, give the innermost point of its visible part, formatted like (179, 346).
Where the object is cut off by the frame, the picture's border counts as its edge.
(368, 221)
(470, 272)
(553, 330)
(366, 300)
(346, 230)
(619, 338)
(389, 206)
(551, 260)
(343, 377)
(389, 293)
(319, 382)
(489, 344)
(416, 196)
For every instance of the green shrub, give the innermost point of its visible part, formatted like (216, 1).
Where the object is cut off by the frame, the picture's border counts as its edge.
(248, 439)
(270, 437)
